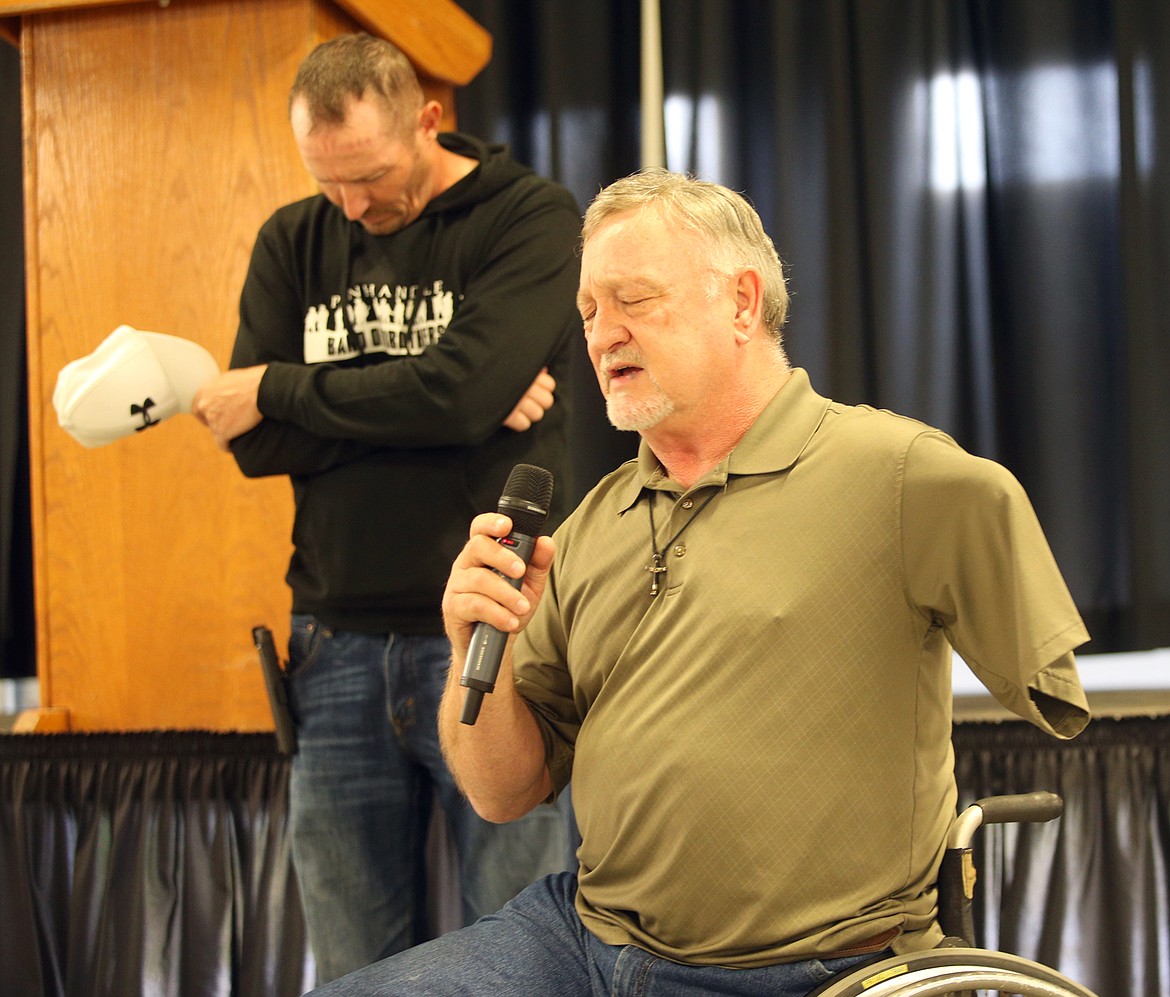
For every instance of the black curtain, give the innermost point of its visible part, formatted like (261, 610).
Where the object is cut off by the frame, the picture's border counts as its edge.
(157, 863)
(17, 630)
(1088, 893)
(973, 201)
(1142, 39)
(562, 90)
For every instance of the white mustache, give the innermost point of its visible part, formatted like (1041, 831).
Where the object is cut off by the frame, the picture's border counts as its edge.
(625, 357)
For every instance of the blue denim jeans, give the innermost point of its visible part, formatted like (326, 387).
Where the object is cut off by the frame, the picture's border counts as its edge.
(536, 946)
(366, 771)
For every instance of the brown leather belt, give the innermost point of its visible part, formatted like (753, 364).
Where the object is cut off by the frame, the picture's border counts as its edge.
(866, 947)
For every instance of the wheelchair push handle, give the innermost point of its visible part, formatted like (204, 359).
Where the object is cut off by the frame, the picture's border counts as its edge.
(956, 875)
(1021, 808)
(1024, 808)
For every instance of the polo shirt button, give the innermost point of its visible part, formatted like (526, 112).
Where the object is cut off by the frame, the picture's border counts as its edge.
(680, 550)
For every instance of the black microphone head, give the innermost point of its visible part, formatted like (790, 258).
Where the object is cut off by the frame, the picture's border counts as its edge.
(527, 497)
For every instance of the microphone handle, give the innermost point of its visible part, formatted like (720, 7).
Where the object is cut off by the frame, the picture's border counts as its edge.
(486, 650)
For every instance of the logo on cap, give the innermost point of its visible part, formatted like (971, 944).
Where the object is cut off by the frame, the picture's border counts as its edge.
(144, 411)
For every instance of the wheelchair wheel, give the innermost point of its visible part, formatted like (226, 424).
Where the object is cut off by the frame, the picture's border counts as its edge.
(940, 972)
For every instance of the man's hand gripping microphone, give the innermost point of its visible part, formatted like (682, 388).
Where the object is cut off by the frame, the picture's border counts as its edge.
(525, 501)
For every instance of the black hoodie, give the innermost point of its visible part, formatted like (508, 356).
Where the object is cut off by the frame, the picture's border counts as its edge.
(393, 361)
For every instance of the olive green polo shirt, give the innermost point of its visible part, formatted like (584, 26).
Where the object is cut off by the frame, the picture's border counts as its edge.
(761, 753)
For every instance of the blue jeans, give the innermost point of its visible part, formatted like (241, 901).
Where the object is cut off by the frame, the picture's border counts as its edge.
(367, 769)
(536, 946)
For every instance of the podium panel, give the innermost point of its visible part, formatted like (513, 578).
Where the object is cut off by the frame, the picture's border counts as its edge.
(156, 144)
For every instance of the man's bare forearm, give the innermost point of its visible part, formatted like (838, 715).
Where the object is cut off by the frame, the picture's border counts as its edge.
(499, 760)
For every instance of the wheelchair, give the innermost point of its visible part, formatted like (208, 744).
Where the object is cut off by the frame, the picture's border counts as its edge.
(957, 968)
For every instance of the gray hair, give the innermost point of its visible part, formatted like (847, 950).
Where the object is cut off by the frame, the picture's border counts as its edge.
(351, 66)
(736, 234)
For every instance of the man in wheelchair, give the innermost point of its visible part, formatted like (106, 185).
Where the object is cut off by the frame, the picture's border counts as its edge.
(738, 648)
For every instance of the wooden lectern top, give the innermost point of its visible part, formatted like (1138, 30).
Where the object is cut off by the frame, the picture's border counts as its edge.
(438, 36)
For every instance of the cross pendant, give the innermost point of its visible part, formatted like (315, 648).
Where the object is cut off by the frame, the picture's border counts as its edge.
(655, 569)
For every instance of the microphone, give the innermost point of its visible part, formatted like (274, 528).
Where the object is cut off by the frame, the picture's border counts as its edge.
(525, 501)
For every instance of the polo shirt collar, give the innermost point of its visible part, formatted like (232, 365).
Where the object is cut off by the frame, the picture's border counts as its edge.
(774, 442)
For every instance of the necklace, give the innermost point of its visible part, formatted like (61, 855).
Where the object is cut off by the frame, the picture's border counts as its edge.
(657, 568)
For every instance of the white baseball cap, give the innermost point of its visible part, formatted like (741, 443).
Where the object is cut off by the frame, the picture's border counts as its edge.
(132, 381)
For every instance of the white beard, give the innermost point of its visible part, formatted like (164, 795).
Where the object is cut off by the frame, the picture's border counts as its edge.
(638, 415)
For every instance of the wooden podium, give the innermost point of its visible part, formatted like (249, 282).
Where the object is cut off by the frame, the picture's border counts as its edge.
(156, 142)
